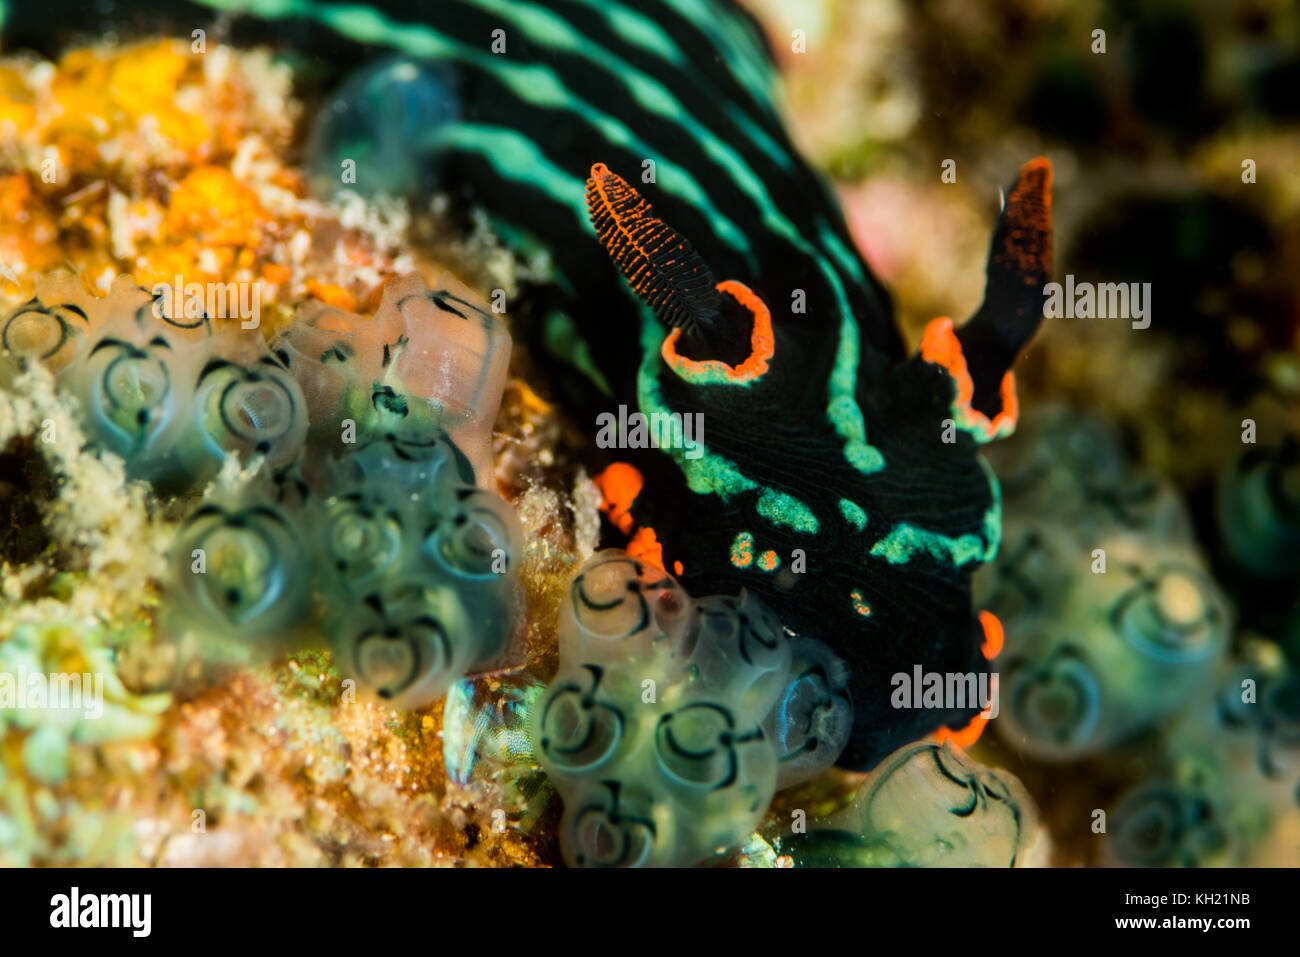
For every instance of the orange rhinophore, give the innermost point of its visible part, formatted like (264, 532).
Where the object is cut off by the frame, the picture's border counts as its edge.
(983, 350)
(1026, 244)
(657, 261)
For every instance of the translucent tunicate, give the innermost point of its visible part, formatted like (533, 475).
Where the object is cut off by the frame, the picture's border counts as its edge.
(375, 134)
(654, 731)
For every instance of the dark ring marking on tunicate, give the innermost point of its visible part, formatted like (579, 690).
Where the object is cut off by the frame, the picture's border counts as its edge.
(1145, 588)
(634, 586)
(388, 633)
(1009, 570)
(825, 700)
(400, 343)
(441, 304)
(238, 520)
(1068, 664)
(588, 704)
(135, 351)
(204, 321)
(131, 354)
(667, 745)
(386, 399)
(34, 307)
(216, 365)
(965, 783)
(263, 444)
(623, 825)
(338, 353)
(744, 632)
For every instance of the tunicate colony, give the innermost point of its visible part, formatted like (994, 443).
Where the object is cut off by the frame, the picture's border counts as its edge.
(366, 520)
(672, 720)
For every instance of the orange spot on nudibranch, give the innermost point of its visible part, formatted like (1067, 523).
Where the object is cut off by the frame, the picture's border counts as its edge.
(966, 736)
(940, 345)
(993, 641)
(993, 635)
(645, 547)
(619, 486)
(742, 550)
(762, 343)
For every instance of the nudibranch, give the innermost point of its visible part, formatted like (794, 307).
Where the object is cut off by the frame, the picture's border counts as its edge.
(837, 477)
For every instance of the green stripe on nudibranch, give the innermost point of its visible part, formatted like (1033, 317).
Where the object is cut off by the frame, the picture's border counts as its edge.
(905, 539)
(842, 408)
(657, 99)
(749, 67)
(841, 254)
(853, 514)
(642, 32)
(639, 30)
(549, 28)
(515, 157)
(711, 473)
(771, 147)
(747, 61)
(781, 509)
